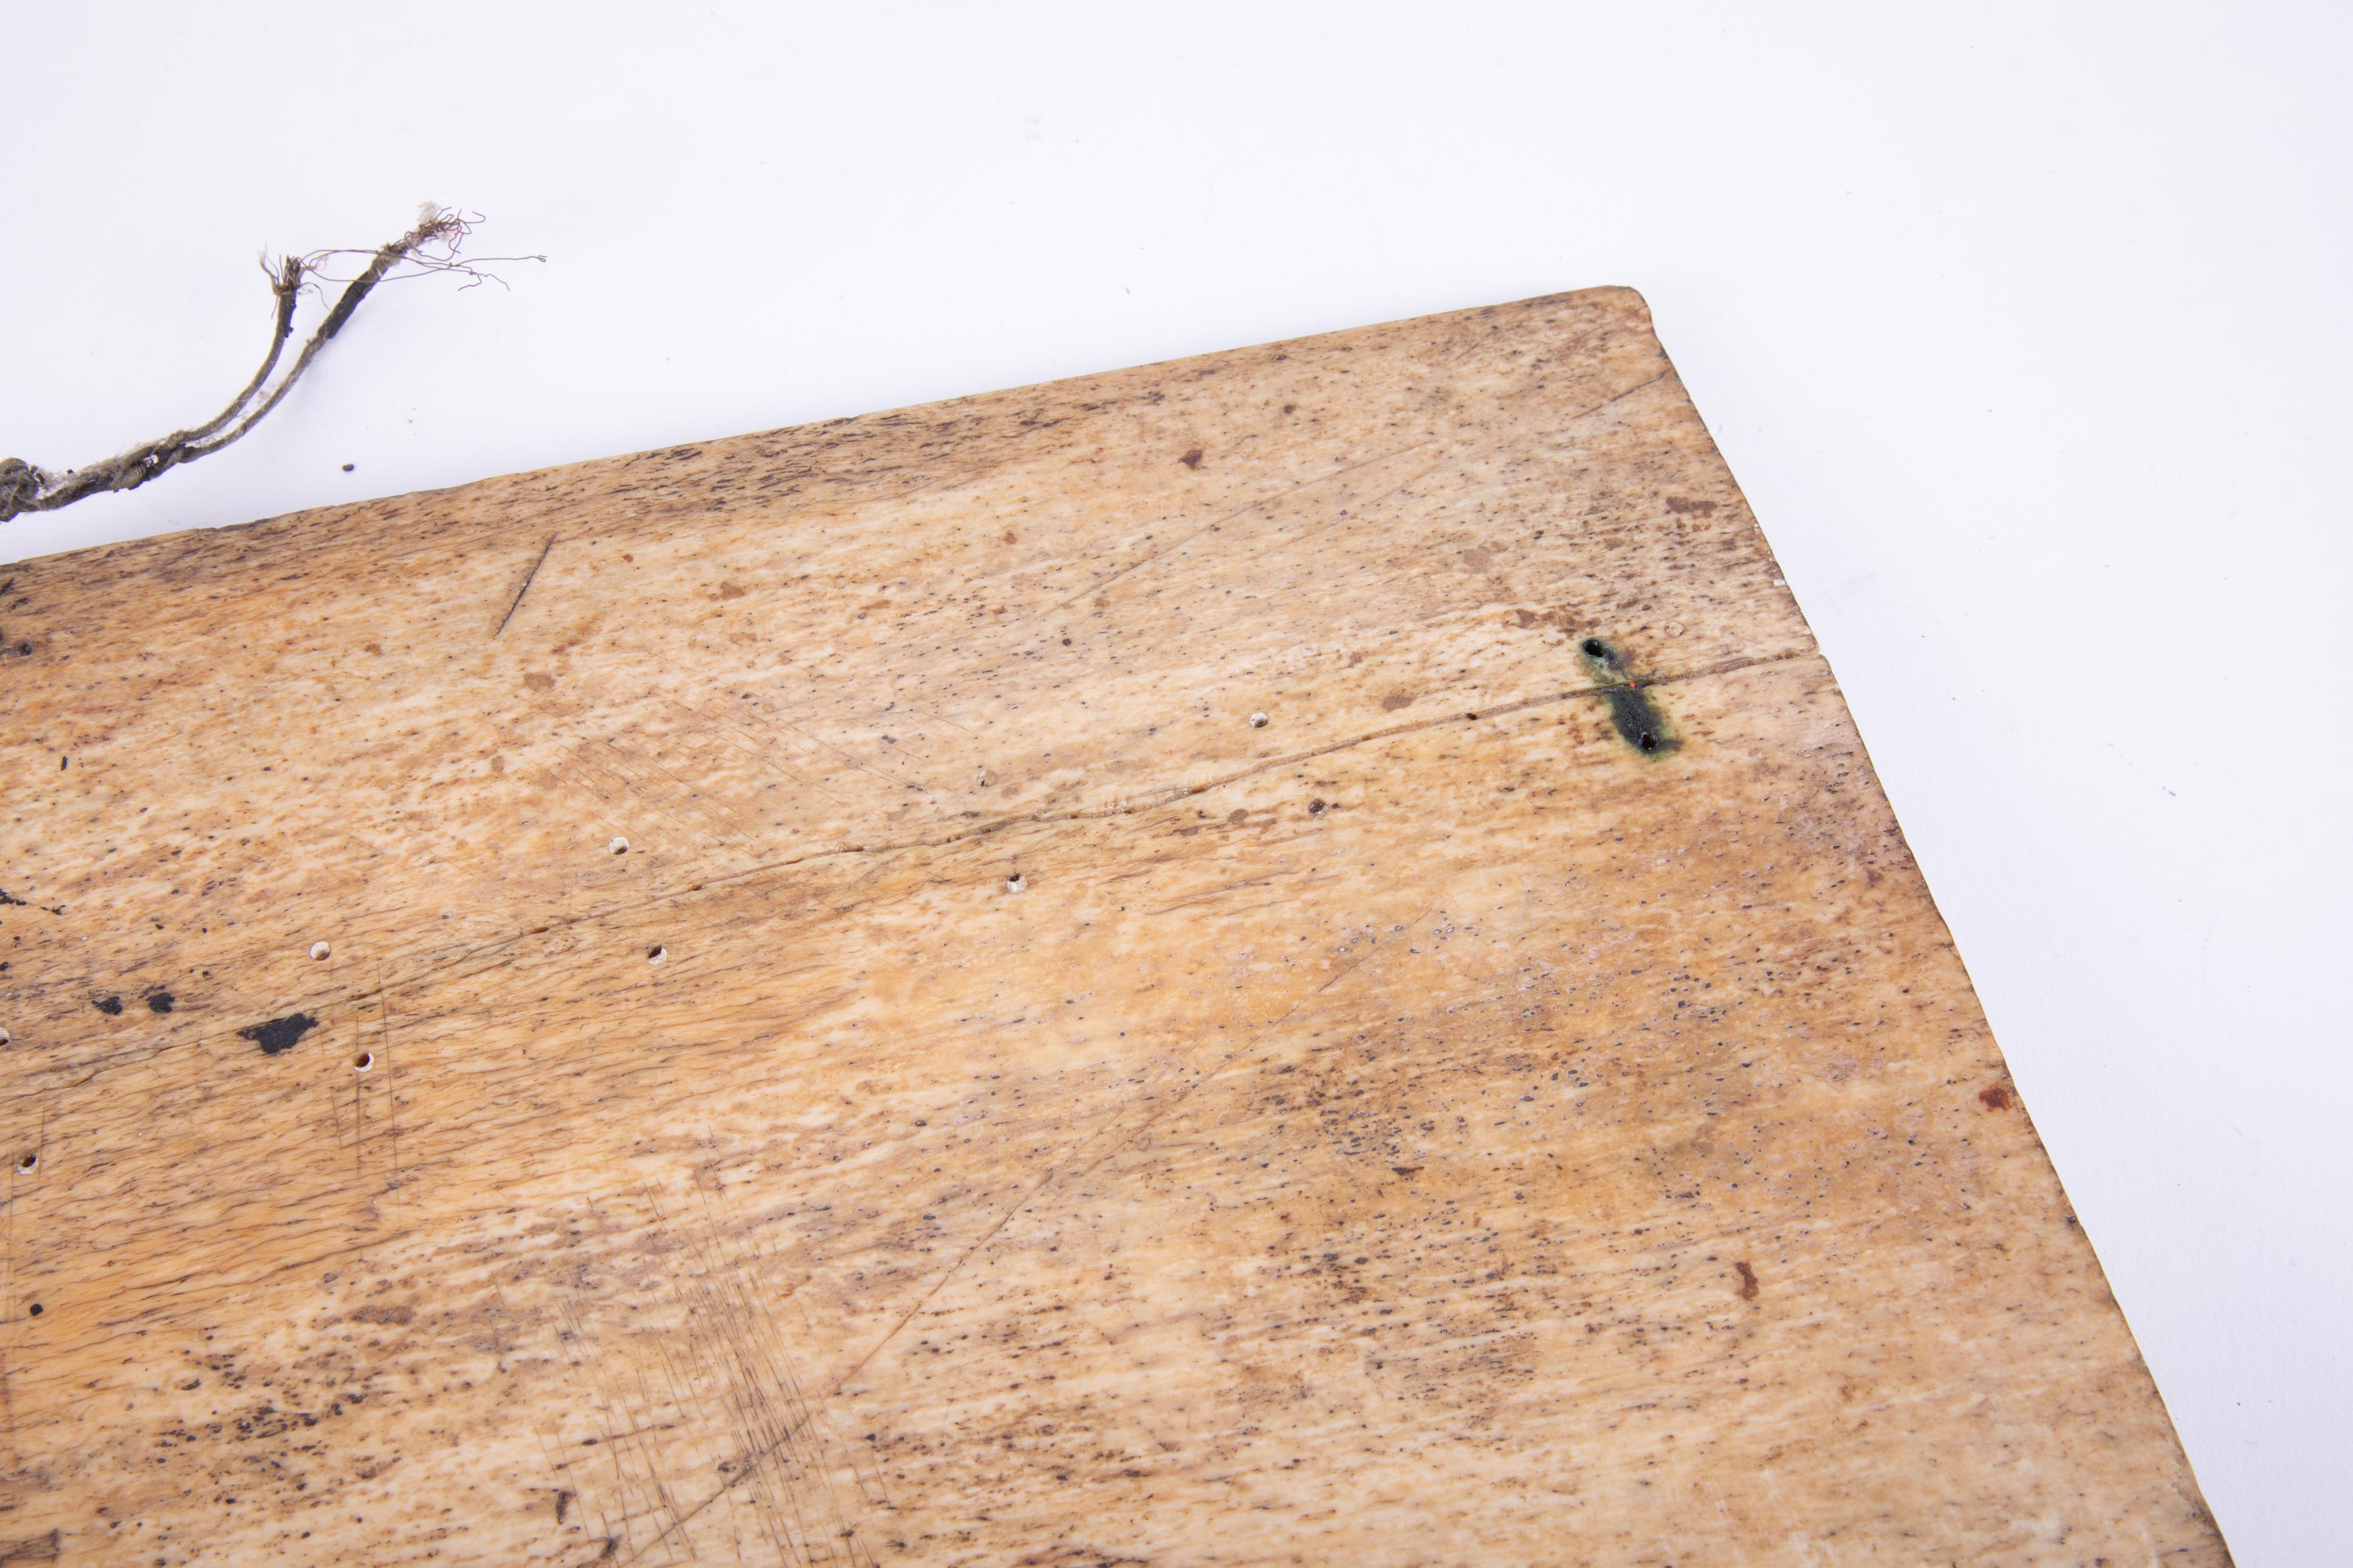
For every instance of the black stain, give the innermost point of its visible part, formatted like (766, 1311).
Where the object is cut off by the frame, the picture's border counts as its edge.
(5, 899)
(109, 1006)
(160, 1001)
(279, 1034)
(1641, 722)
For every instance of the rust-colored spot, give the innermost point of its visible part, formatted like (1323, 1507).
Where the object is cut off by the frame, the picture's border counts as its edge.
(1747, 1281)
(1191, 459)
(1395, 700)
(540, 680)
(1678, 504)
(1996, 1098)
(731, 590)
(1237, 814)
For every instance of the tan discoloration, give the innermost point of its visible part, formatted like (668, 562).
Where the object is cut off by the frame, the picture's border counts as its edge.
(1069, 1122)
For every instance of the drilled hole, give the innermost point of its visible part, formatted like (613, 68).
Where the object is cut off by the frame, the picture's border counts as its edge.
(1594, 647)
(1258, 720)
(35, 1309)
(619, 846)
(1016, 883)
(365, 1060)
(656, 954)
(319, 950)
(25, 1161)
(1649, 741)
(5, 1036)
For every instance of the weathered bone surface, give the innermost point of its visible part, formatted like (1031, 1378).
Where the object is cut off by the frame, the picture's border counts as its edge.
(839, 1037)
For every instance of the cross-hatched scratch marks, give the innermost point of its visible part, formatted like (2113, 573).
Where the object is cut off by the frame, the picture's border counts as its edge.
(1164, 1086)
(688, 1374)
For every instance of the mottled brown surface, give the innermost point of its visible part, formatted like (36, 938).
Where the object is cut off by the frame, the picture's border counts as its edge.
(1068, 1123)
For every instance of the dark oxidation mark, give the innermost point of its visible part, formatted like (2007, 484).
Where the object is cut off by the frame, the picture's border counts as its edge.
(1191, 459)
(34, 1548)
(1641, 722)
(398, 1315)
(279, 1034)
(562, 1504)
(1683, 507)
(1996, 1098)
(160, 1001)
(5, 899)
(1747, 1281)
(109, 1006)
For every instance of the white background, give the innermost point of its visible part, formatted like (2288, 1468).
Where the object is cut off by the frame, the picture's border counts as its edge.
(2024, 328)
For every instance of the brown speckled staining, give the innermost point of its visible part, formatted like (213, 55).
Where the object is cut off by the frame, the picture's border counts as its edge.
(1548, 1150)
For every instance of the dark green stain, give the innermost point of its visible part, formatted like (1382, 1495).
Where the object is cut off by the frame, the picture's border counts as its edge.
(1641, 723)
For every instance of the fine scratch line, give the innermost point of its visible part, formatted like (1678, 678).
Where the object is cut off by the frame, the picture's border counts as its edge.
(451, 961)
(526, 584)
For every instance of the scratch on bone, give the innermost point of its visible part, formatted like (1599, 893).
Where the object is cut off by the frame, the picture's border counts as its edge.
(526, 585)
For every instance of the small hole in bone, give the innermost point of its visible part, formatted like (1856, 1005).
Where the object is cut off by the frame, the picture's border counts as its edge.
(28, 1159)
(365, 1060)
(1258, 720)
(1016, 883)
(656, 954)
(619, 845)
(319, 950)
